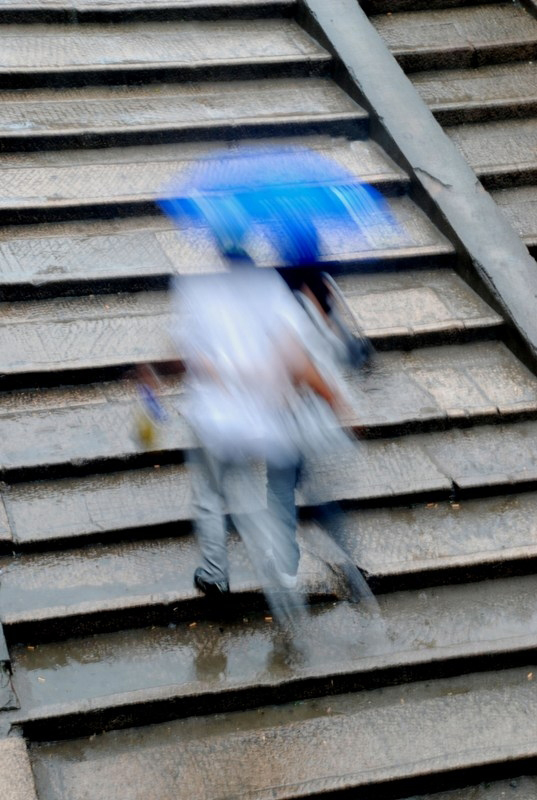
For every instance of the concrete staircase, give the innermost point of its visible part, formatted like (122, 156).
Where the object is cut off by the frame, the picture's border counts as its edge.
(120, 680)
(475, 65)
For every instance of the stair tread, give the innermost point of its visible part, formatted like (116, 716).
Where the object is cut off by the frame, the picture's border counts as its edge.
(466, 30)
(485, 86)
(56, 47)
(81, 254)
(48, 336)
(495, 147)
(479, 459)
(426, 387)
(173, 107)
(117, 175)
(520, 206)
(392, 543)
(277, 755)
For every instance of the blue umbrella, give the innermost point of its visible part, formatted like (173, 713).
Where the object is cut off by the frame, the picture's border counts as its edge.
(285, 189)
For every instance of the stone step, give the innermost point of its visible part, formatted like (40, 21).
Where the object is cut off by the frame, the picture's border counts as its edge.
(459, 37)
(63, 55)
(45, 186)
(129, 255)
(482, 460)
(395, 6)
(44, 340)
(84, 685)
(384, 742)
(520, 788)
(502, 154)
(78, 11)
(520, 207)
(61, 430)
(108, 586)
(486, 94)
(154, 114)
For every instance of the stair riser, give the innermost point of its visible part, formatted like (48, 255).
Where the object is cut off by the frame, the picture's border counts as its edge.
(486, 113)
(160, 13)
(393, 6)
(172, 73)
(508, 177)
(348, 126)
(459, 59)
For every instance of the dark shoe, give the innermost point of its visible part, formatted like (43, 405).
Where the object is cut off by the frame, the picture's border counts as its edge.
(210, 588)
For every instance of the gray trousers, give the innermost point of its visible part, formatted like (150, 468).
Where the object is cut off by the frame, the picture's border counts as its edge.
(220, 487)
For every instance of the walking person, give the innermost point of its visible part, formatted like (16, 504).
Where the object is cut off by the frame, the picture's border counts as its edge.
(241, 335)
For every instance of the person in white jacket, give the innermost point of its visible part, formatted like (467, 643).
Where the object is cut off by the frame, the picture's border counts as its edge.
(241, 335)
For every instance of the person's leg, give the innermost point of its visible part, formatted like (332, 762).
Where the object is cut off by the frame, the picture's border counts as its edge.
(281, 484)
(207, 476)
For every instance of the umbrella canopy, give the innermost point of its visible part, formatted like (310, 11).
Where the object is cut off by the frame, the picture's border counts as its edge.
(288, 190)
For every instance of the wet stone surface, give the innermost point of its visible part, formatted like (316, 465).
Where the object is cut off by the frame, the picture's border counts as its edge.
(149, 247)
(487, 456)
(16, 779)
(65, 508)
(167, 106)
(497, 145)
(185, 659)
(115, 174)
(249, 753)
(502, 83)
(62, 426)
(520, 207)
(78, 333)
(440, 535)
(57, 46)
(479, 457)
(518, 788)
(463, 30)
(391, 543)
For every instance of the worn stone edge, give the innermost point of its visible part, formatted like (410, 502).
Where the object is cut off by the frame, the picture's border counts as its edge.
(16, 777)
